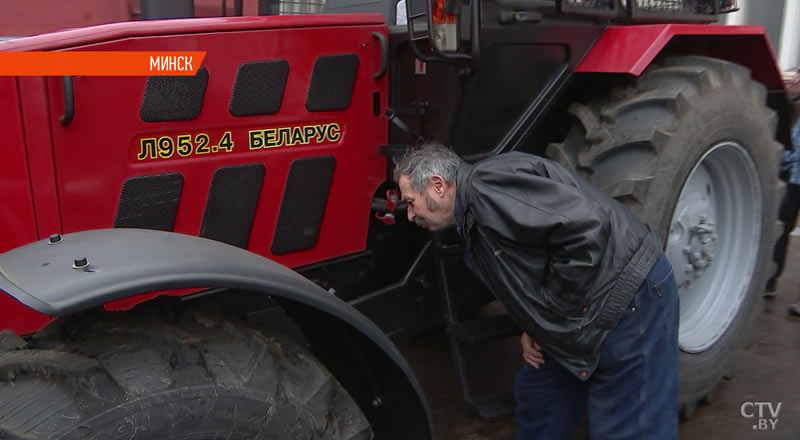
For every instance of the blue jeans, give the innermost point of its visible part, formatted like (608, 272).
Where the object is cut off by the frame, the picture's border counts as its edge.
(633, 393)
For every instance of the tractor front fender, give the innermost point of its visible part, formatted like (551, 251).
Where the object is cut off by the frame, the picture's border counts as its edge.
(52, 279)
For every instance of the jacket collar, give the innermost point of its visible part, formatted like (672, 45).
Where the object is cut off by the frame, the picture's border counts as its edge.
(462, 176)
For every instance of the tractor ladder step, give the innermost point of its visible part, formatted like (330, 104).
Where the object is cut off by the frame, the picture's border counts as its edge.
(464, 333)
(491, 408)
(477, 331)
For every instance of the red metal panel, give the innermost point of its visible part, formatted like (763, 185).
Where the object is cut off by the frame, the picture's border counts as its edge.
(19, 318)
(29, 18)
(17, 221)
(630, 49)
(98, 151)
(116, 31)
(77, 170)
(36, 117)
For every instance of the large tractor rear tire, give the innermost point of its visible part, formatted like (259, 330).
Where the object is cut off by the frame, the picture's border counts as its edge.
(690, 148)
(155, 374)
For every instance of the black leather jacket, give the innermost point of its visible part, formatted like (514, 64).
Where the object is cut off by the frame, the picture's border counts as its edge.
(563, 258)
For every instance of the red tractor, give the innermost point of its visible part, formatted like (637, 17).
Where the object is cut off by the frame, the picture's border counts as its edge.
(223, 255)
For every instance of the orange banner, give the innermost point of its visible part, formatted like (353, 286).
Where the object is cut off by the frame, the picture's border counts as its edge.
(169, 63)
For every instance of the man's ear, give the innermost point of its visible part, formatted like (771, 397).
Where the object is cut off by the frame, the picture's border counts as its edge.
(438, 184)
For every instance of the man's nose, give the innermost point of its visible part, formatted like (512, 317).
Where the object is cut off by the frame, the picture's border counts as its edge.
(410, 213)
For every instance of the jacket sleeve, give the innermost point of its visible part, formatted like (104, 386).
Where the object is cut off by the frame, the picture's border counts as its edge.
(541, 205)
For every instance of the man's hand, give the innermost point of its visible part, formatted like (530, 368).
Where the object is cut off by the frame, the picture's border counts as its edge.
(531, 351)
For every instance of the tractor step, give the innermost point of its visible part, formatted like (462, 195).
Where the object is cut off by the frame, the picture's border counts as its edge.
(465, 333)
(477, 331)
(491, 408)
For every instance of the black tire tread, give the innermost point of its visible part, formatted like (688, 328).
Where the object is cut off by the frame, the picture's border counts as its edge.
(83, 374)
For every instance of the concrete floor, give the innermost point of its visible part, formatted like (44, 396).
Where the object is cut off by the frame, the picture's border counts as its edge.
(767, 370)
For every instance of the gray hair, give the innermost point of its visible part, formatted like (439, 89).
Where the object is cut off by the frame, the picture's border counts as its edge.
(426, 161)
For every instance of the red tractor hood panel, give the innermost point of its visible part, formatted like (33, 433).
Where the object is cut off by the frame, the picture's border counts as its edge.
(115, 31)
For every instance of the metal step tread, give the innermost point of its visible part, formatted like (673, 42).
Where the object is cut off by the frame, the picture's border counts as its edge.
(490, 408)
(476, 331)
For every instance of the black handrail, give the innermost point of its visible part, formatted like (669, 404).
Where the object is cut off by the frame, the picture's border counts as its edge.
(69, 102)
(384, 54)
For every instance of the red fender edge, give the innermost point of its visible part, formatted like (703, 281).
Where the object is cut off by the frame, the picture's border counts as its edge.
(630, 49)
